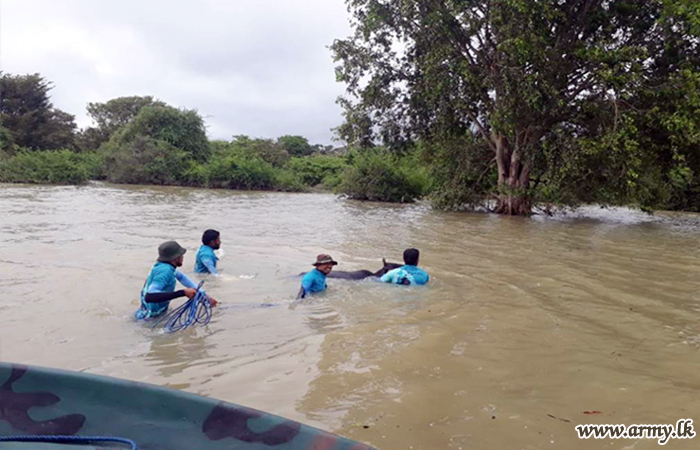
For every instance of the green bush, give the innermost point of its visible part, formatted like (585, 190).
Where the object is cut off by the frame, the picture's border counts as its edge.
(145, 160)
(237, 172)
(313, 170)
(332, 182)
(94, 163)
(288, 181)
(377, 175)
(46, 167)
(234, 172)
(196, 175)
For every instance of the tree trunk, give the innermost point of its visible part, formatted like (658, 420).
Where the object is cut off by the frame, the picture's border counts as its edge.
(513, 205)
(513, 181)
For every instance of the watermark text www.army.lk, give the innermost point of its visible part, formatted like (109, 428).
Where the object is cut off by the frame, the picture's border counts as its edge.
(683, 429)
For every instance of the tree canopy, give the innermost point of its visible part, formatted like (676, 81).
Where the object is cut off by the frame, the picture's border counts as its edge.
(111, 116)
(30, 118)
(182, 129)
(295, 145)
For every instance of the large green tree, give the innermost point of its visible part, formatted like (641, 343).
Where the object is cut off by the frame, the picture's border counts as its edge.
(157, 146)
(26, 111)
(666, 111)
(181, 128)
(515, 100)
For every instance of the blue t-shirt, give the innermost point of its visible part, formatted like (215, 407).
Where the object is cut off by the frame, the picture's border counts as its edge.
(313, 281)
(161, 279)
(411, 273)
(206, 260)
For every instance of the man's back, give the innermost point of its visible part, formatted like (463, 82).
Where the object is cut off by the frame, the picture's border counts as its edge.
(407, 274)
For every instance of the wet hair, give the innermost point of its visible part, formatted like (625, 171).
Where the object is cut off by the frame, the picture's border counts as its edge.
(410, 257)
(210, 235)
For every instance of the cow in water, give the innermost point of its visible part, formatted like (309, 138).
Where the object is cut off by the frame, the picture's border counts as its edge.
(362, 274)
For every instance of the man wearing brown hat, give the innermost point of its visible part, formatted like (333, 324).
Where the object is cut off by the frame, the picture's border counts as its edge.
(159, 288)
(315, 280)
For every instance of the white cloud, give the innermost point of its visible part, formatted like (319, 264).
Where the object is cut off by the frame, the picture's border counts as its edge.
(256, 67)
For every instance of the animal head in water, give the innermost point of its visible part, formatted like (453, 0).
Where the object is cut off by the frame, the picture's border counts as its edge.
(387, 266)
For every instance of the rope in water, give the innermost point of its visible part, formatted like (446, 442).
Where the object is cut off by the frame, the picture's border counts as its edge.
(69, 440)
(196, 310)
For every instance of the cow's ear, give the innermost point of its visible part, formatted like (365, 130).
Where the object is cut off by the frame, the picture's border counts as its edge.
(384, 261)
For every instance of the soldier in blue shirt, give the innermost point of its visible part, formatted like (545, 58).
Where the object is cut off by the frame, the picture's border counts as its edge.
(159, 288)
(206, 259)
(409, 273)
(315, 280)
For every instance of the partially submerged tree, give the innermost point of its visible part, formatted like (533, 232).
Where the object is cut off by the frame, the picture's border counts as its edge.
(514, 98)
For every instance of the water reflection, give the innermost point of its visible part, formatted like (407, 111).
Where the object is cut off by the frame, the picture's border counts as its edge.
(173, 353)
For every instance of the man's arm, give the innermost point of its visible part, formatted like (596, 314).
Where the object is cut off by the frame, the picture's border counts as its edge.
(192, 286)
(426, 278)
(389, 276)
(421, 277)
(210, 265)
(185, 280)
(306, 284)
(160, 297)
(155, 293)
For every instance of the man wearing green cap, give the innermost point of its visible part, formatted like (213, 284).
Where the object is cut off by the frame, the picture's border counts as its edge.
(315, 280)
(159, 288)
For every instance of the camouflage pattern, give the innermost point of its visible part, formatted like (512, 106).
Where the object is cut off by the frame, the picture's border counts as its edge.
(39, 401)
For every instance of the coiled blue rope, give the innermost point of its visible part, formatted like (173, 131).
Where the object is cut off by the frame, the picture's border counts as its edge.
(196, 310)
(69, 440)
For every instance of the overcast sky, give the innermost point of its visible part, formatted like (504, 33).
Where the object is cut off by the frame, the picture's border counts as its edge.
(255, 67)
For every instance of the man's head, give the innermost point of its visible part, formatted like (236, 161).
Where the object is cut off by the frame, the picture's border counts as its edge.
(212, 239)
(324, 264)
(171, 252)
(410, 257)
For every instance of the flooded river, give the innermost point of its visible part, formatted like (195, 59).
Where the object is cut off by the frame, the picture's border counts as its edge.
(526, 326)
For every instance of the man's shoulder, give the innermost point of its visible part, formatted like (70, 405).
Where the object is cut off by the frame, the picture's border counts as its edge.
(162, 272)
(206, 252)
(422, 275)
(161, 267)
(415, 269)
(310, 275)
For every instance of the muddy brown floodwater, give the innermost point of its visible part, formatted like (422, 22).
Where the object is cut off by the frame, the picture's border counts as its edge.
(526, 324)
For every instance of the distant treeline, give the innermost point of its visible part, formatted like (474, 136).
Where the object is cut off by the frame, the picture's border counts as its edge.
(140, 140)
